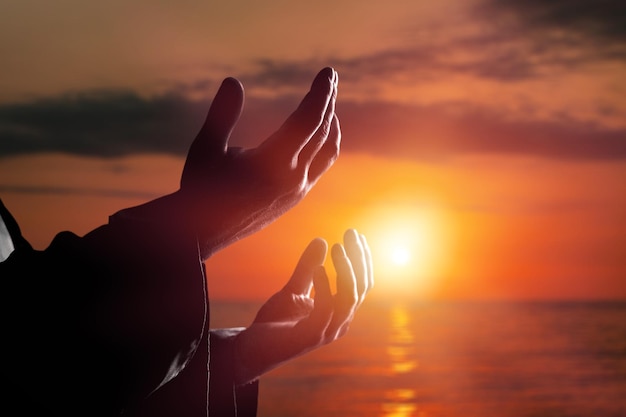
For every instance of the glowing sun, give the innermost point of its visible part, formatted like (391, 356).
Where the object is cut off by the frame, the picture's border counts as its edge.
(398, 249)
(399, 255)
(406, 249)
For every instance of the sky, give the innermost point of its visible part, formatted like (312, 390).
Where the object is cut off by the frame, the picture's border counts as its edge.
(483, 141)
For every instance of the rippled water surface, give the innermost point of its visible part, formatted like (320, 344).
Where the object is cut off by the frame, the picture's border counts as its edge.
(456, 360)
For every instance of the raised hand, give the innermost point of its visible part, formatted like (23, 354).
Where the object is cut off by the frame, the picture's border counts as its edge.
(232, 192)
(292, 323)
(227, 193)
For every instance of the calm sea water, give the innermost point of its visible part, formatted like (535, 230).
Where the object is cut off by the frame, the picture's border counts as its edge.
(456, 360)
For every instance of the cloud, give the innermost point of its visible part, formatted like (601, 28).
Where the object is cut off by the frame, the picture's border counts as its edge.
(98, 123)
(499, 40)
(562, 33)
(603, 21)
(441, 130)
(502, 41)
(278, 74)
(115, 123)
(92, 192)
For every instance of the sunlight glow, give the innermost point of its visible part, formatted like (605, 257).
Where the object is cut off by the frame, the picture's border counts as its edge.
(400, 255)
(406, 248)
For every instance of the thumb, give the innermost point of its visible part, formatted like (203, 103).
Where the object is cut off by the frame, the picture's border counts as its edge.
(213, 137)
(313, 256)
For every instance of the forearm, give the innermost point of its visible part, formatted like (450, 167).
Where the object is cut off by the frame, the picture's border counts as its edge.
(213, 224)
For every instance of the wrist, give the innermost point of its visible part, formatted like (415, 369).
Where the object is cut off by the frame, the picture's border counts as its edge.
(243, 373)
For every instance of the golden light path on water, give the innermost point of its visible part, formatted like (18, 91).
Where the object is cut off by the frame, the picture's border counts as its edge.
(400, 401)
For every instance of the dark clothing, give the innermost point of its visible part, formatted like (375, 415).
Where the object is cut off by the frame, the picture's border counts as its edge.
(113, 323)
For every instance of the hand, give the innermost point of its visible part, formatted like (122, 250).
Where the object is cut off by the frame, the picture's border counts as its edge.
(292, 323)
(227, 193)
(230, 192)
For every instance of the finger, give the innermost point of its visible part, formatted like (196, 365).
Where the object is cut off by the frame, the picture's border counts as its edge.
(294, 134)
(346, 298)
(327, 155)
(323, 302)
(356, 255)
(312, 257)
(212, 140)
(319, 137)
(223, 115)
(346, 283)
(369, 262)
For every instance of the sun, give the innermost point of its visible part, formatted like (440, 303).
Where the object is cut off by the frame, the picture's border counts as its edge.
(398, 248)
(400, 255)
(406, 250)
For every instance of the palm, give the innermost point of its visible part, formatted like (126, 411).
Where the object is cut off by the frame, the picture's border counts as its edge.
(284, 307)
(292, 323)
(233, 192)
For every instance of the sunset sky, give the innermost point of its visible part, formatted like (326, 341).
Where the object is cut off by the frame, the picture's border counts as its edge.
(484, 141)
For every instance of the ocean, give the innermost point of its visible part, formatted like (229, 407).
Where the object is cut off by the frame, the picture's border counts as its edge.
(457, 359)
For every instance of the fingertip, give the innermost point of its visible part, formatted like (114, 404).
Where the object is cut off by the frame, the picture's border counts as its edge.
(234, 86)
(319, 242)
(351, 235)
(317, 248)
(224, 112)
(337, 250)
(232, 81)
(326, 74)
(329, 72)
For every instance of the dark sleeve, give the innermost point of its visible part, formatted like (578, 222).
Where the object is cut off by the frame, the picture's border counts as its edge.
(226, 398)
(113, 322)
(187, 394)
(92, 325)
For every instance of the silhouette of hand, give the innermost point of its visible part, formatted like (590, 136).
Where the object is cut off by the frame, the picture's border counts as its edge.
(292, 323)
(227, 193)
(231, 192)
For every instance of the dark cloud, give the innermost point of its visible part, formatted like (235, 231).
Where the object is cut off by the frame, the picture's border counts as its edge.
(517, 40)
(276, 74)
(39, 190)
(442, 130)
(601, 20)
(110, 124)
(499, 52)
(502, 40)
(101, 123)
(493, 57)
(567, 32)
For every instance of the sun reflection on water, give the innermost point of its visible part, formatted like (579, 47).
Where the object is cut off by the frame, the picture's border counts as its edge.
(400, 401)
(400, 348)
(399, 410)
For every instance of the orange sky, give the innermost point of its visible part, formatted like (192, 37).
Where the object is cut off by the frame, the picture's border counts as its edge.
(490, 147)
